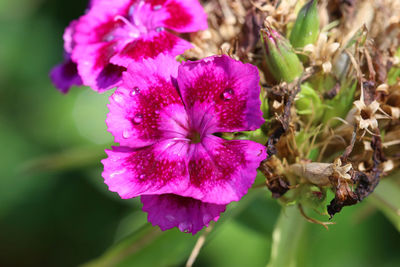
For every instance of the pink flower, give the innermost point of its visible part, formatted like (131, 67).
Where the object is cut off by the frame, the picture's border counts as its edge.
(113, 33)
(65, 75)
(164, 115)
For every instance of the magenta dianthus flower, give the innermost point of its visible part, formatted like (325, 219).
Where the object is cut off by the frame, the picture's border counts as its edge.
(113, 33)
(65, 74)
(164, 115)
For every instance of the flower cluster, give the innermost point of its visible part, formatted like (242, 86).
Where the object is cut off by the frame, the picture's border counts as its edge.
(164, 114)
(100, 45)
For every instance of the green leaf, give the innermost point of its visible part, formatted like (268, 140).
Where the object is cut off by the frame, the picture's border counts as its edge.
(386, 197)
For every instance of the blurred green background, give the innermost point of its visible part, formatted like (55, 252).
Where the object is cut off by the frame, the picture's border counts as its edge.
(56, 211)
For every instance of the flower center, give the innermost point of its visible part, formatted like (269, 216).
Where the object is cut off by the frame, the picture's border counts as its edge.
(365, 114)
(194, 137)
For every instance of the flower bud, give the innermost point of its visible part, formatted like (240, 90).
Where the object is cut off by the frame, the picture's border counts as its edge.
(309, 103)
(282, 62)
(306, 27)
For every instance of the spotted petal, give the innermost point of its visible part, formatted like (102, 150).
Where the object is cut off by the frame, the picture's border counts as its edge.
(228, 89)
(147, 107)
(181, 15)
(149, 46)
(188, 214)
(222, 171)
(157, 169)
(214, 171)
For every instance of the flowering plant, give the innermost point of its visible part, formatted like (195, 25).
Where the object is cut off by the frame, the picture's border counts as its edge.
(195, 124)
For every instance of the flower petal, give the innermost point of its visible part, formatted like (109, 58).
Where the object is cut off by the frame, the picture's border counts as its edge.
(156, 169)
(94, 67)
(95, 26)
(149, 46)
(181, 15)
(65, 75)
(215, 171)
(229, 88)
(69, 42)
(222, 171)
(188, 214)
(147, 107)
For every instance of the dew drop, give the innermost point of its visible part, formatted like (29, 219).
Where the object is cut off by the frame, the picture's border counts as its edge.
(109, 38)
(117, 98)
(185, 227)
(157, 112)
(138, 118)
(157, 7)
(126, 134)
(227, 94)
(141, 177)
(135, 91)
(159, 29)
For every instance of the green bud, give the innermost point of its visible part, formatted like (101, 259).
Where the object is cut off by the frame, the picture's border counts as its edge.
(306, 28)
(309, 103)
(282, 62)
(341, 104)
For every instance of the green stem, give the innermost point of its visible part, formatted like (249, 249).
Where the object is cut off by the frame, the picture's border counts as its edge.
(286, 237)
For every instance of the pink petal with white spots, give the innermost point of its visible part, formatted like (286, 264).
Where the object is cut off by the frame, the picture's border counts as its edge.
(188, 214)
(227, 88)
(147, 107)
(214, 171)
(222, 171)
(149, 46)
(95, 26)
(181, 15)
(156, 169)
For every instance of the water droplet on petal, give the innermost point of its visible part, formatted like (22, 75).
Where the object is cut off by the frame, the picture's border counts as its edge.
(157, 7)
(141, 177)
(159, 29)
(109, 38)
(157, 112)
(117, 98)
(185, 227)
(227, 94)
(138, 118)
(135, 91)
(126, 134)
